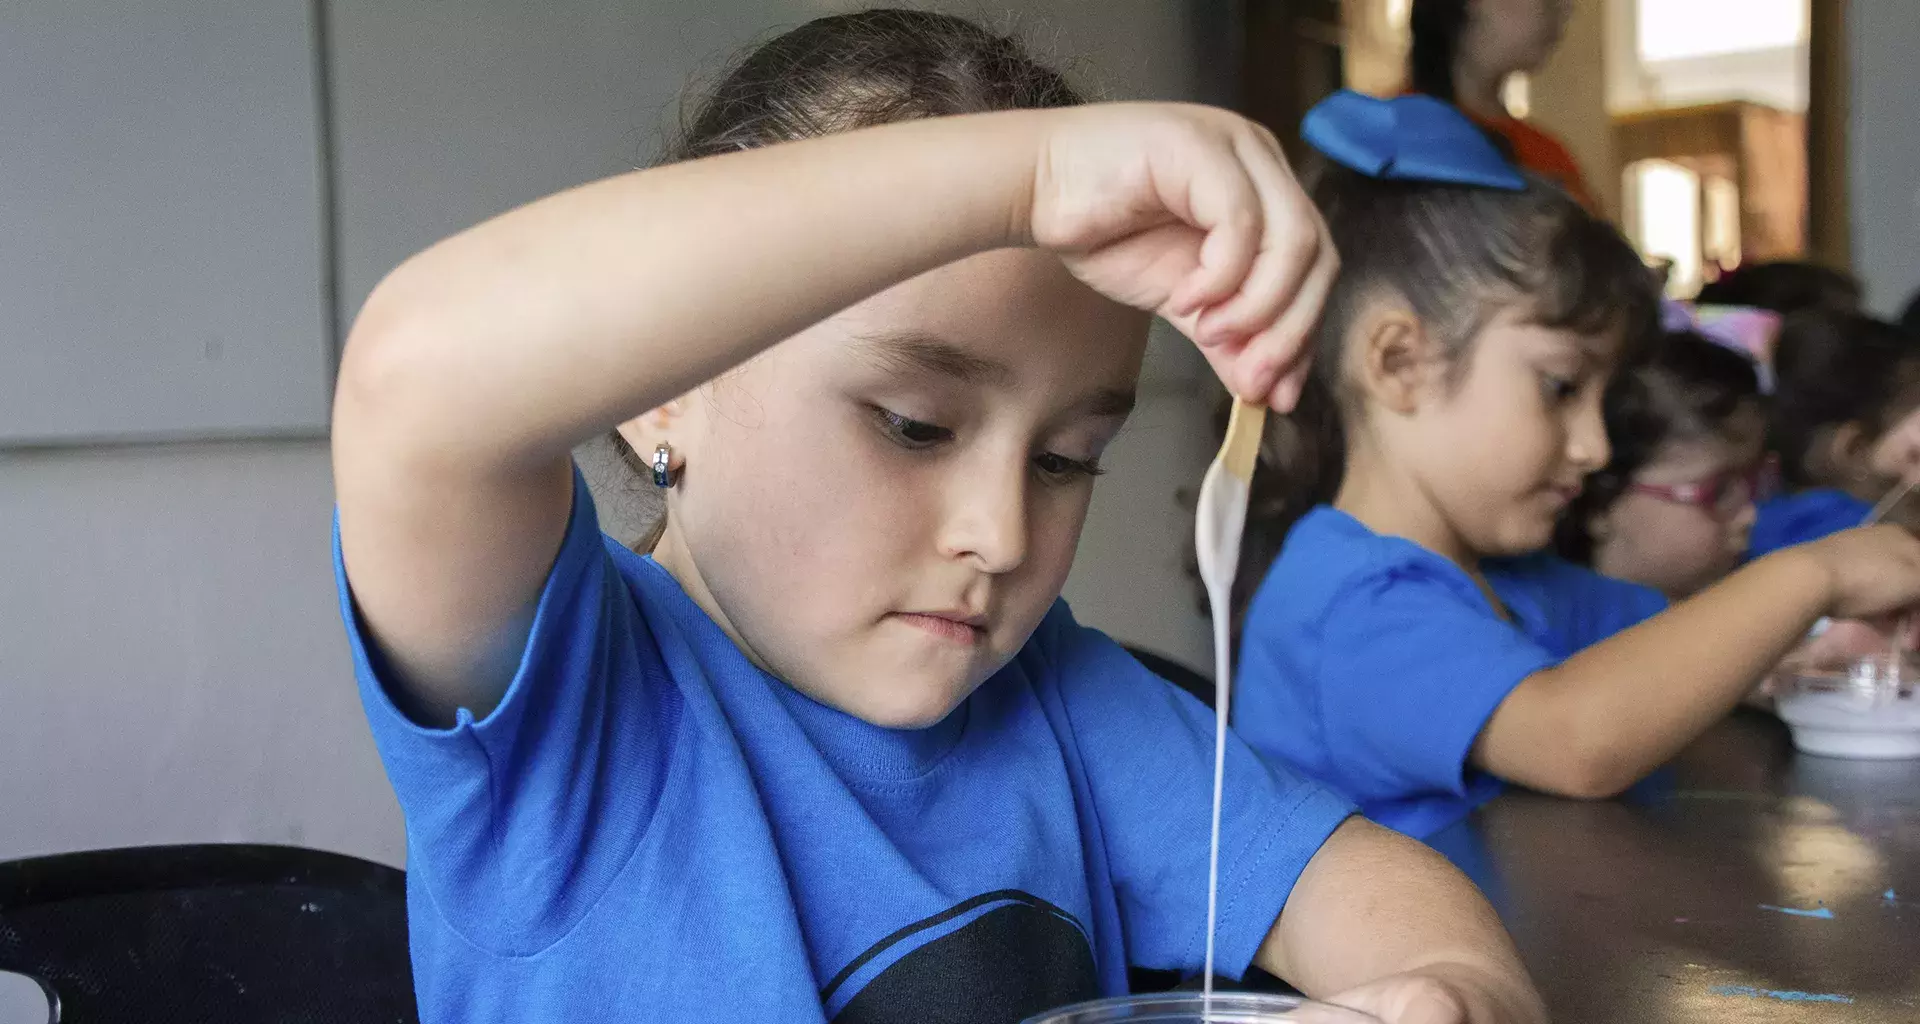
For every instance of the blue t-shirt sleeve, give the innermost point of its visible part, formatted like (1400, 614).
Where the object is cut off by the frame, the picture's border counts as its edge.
(1806, 516)
(1597, 607)
(516, 823)
(1409, 670)
(1147, 748)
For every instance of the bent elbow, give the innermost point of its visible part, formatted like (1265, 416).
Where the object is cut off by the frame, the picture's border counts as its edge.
(1593, 786)
(1594, 772)
(384, 364)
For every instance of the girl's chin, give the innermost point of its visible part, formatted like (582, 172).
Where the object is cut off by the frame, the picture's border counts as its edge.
(1525, 539)
(923, 715)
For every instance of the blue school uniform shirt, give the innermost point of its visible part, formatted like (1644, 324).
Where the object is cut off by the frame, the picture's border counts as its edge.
(1372, 663)
(650, 828)
(1791, 519)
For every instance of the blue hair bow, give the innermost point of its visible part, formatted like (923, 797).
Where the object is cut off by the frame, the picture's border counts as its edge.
(1407, 138)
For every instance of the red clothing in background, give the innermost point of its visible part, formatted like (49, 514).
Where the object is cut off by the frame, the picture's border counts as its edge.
(1541, 153)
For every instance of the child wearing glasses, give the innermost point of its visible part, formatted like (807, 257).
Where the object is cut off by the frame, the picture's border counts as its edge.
(1673, 509)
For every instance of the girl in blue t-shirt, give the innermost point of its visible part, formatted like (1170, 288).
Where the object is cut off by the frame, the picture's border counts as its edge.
(834, 750)
(1408, 646)
(1845, 425)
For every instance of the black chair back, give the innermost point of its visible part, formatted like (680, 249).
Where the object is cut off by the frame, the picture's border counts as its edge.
(1173, 672)
(192, 934)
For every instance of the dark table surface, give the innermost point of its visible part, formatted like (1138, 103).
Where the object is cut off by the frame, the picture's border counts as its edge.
(1745, 883)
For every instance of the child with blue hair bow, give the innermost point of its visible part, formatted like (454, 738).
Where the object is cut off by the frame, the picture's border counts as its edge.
(1409, 644)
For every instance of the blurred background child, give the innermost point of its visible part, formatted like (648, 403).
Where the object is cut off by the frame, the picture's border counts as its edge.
(1842, 425)
(1465, 51)
(1673, 508)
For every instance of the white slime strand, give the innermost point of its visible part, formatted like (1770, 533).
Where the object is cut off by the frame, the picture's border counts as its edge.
(1222, 685)
(1218, 523)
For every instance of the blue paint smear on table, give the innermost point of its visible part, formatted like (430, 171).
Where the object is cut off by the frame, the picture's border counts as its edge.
(1890, 896)
(1749, 992)
(1824, 913)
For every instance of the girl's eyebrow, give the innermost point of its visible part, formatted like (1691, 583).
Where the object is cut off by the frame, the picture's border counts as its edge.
(1106, 403)
(1591, 350)
(920, 354)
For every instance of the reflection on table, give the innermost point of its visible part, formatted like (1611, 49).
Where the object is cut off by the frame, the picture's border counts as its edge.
(1742, 883)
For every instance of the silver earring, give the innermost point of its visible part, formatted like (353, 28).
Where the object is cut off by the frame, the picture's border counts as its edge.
(663, 465)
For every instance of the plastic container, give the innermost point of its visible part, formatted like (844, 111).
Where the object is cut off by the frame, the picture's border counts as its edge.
(1868, 710)
(1187, 1008)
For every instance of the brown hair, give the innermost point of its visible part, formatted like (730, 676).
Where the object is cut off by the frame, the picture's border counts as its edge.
(1436, 27)
(1784, 286)
(1455, 255)
(1835, 368)
(850, 71)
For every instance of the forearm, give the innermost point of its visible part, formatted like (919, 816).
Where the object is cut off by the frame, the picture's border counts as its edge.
(1374, 904)
(519, 338)
(1614, 712)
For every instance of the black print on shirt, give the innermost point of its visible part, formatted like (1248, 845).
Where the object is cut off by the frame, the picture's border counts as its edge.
(1017, 955)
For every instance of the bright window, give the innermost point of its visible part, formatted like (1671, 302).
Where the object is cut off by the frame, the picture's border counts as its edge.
(1399, 13)
(1720, 227)
(1667, 200)
(1680, 29)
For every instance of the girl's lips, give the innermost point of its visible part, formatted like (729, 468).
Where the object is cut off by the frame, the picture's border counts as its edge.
(947, 627)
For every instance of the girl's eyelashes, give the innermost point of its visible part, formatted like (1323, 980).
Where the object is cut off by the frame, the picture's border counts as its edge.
(919, 435)
(909, 433)
(1559, 389)
(1062, 469)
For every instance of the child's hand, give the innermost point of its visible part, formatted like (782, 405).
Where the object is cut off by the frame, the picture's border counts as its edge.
(1192, 213)
(1847, 640)
(1870, 570)
(1425, 998)
(1407, 999)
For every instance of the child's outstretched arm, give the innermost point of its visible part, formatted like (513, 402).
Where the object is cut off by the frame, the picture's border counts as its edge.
(1603, 719)
(478, 365)
(1373, 904)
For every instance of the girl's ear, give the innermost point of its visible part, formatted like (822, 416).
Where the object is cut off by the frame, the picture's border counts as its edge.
(1394, 358)
(1849, 447)
(650, 429)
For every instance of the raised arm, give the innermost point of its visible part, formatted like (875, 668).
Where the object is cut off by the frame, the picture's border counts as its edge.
(478, 364)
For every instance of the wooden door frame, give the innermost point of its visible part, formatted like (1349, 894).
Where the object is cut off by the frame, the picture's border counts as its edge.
(1829, 106)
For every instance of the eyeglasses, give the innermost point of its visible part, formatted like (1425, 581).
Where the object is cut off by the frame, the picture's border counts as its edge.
(1722, 495)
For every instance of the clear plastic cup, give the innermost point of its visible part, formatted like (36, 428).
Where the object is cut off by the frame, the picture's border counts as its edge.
(1192, 1008)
